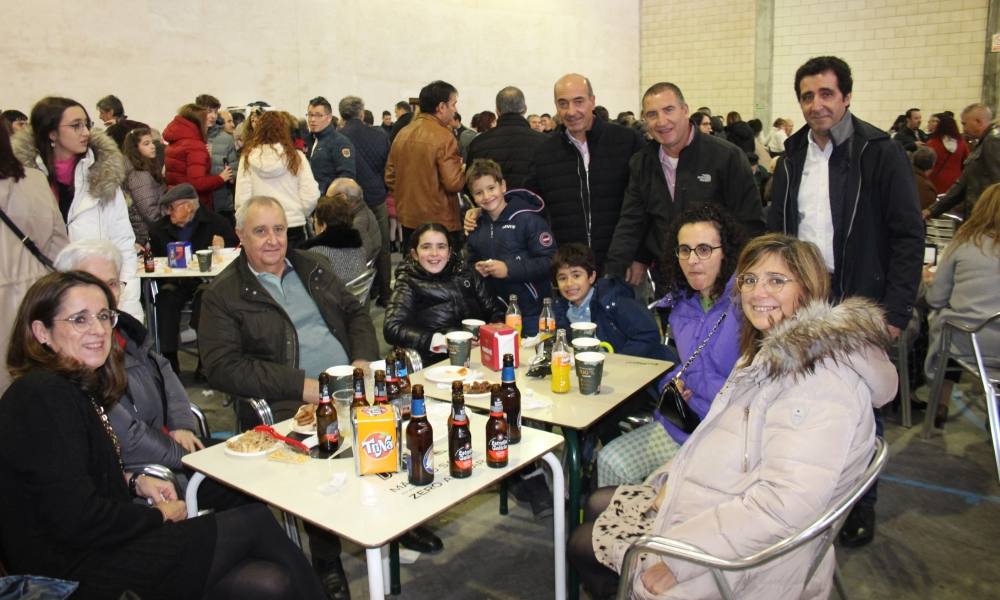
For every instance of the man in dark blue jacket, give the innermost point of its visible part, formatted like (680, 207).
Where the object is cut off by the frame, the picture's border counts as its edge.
(331, 155)
(371, 145)
(844, 185)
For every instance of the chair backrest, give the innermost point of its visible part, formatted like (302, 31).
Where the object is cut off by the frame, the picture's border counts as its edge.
(827, 525)
(361, 285)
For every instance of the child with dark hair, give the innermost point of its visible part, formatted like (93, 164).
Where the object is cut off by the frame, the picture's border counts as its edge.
(512, 245)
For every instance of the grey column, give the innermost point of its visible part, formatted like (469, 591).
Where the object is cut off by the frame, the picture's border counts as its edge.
(991, 66)
(764, 63)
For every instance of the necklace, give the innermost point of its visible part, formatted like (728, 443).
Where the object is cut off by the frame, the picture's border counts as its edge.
(111, 432)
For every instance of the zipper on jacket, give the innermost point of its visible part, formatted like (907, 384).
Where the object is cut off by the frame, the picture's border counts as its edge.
(784, 210)
(584, 202)
(746, 438)
(850, 224)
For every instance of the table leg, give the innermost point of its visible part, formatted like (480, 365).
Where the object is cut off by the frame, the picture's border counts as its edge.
(573, 467)
(503, 497)
(558, 524)
(376, 590)
(394, 586)
(149, 291)
(191, 496)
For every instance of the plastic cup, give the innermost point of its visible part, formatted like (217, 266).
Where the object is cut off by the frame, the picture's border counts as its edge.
(341, 378)
(586, 344)
(472, 326)
(589, 371)
(204, 260)
(459, 347)
(583, 329)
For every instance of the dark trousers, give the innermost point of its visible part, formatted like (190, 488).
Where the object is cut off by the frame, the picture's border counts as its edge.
(173, 295)
(383, 263)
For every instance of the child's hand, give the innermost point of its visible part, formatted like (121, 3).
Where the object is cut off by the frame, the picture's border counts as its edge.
(492, 268)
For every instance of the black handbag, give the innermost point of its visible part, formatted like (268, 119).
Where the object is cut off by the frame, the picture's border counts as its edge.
(672, 405)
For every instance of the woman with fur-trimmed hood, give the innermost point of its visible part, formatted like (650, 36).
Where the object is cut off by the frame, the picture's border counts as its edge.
(85, 170)
(789, 434)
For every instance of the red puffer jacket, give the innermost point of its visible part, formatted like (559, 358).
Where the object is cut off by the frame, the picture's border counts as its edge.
(188, 160)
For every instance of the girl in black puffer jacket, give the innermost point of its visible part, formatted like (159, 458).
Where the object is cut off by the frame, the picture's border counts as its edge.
(434, 291)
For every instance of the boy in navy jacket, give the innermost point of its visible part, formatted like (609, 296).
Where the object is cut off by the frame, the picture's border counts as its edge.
(512, 245)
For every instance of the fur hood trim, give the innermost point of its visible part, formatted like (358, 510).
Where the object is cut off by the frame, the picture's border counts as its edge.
(820, 331)
(107, 165)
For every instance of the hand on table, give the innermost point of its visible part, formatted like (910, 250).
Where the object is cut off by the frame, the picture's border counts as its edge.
(492, 268)
(174, 510)
(187, 439)
(658, 578)
(469, 223)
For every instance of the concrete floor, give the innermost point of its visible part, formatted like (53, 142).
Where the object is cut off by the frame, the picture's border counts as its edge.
(938, 524)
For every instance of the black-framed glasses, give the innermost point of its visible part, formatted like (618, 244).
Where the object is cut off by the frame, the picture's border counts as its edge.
(702, 251)
(772, 283)
(81, 321)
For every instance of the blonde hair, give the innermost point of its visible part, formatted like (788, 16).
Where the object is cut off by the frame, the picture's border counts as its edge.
(983, 221)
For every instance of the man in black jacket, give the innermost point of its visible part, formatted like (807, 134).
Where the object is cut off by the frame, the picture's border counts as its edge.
(331, 155)
(681, 167)
(844, 185)
(512, 143)
(981, 169)
(910, 136)
(404, 114)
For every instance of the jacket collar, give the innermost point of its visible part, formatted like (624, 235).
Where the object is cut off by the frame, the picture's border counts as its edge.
(593, 134)
(855, 129)
(512, 120)
(103, 163)
(335, 236)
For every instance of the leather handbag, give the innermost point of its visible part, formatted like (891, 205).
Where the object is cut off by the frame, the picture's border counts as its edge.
(672, 404)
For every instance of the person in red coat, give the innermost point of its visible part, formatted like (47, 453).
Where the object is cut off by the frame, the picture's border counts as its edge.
(188, 159)
(951, 151)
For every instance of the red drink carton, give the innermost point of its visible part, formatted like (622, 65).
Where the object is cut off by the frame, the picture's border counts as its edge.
(495, 340)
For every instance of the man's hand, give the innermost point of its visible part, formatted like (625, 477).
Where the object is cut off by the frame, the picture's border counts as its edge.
(156, 490)
(894, 332)
(187, 440)
(218, 242)
(926, 213)
(492, 268)
(175, 510)
(658, 578)
(636, 273)
(471, 216)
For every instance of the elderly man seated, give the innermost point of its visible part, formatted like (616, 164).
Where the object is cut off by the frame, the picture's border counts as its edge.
(185, 221)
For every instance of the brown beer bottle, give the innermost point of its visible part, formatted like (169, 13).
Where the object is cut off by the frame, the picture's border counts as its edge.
(148, 262)
(392, 383)
(511, 398)
(420, 442)
(405, 394)
(359, 389)
(381, 397)
(327, 427)
(496, 431)
(459, 436)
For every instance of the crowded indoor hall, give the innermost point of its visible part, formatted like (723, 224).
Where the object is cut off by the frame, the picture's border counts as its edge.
(623, 300)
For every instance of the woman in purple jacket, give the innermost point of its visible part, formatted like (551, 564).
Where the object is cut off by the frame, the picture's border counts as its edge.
(706, 242)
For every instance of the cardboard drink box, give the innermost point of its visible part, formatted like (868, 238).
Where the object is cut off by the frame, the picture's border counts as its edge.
(178, 255)
(377, 439)
(495, 340)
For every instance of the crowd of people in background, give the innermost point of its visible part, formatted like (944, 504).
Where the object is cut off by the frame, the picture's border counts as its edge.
(751, 239)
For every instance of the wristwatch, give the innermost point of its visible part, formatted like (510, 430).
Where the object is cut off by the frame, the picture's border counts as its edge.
(132, 481)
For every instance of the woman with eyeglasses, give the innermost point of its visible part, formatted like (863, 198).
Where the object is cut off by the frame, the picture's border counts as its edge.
(706, 242)
(85, 170)
(788, 435)
(68, 509)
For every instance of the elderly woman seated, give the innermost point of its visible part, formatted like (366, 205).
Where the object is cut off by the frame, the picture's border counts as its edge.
(336, 238)
(787, 436)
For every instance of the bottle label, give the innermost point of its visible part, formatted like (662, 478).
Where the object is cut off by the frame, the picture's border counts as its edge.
(507, 375)
(332, 433)
(496, 450)
(463, 457)
(547, 325)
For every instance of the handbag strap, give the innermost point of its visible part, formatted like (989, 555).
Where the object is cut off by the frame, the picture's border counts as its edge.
(27, 241)
(701, 346)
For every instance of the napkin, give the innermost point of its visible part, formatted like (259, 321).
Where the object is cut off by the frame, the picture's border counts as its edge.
(336, 482)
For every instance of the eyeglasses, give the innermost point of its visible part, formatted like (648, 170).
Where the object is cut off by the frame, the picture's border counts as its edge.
(81, 321)
(116, 284)
(702, 251)
(80, 126)
(772, 283)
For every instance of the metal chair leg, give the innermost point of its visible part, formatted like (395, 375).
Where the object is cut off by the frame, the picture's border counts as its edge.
(838, 583)
(934, 399)
(904, 379)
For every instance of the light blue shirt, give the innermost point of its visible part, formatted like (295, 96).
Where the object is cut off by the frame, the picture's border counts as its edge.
(580, 314)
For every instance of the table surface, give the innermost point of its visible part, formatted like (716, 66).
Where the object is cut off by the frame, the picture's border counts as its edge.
(163, 271)
(623, 376)
(369, 510)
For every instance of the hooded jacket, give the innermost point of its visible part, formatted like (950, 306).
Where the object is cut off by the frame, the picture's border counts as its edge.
(621, 320)
(264, 172)
(784, 440)
(878, 234)
(423, 304)
(521, 238)
(98, 209)
(188, 160)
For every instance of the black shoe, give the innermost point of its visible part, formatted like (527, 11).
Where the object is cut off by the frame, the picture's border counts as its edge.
(859, 528)
(421, 539)
(334, 580)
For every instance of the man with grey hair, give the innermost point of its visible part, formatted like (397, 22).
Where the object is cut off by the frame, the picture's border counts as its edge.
(362, 218)
(371, 147)
(512, 143)
(981, 169)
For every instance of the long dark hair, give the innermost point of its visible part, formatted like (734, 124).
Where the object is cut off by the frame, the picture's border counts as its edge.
(946, 127)
(45, 118)
(197, 115)
(731, 237)
(41, 303)
(9, 165)
(130, 148)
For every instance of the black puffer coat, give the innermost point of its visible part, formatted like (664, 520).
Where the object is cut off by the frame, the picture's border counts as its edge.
(512, 144)
(584, 206)
(423, 304)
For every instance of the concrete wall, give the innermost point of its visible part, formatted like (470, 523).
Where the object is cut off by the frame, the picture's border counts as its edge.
(158, 55)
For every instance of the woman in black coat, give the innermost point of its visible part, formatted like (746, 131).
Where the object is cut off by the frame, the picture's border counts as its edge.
(434, 291)
(67, 508)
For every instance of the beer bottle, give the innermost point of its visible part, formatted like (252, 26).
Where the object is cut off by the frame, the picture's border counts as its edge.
(381, 397)
(392, 383)
(327, 428)
(148, 262)
(496, 431)
(405, 395)
(459, 436)
(420, 442)
(547, 318)
(513, 317)
(560, 364)
(359, 389)
(511, 398)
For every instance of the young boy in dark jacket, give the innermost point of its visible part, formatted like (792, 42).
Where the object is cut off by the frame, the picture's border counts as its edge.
(621, 320)
(512, 245)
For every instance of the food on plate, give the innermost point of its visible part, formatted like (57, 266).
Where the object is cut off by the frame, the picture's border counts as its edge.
(462, 372)
(251, 441)
(287, 456)
(477, 387)
(306, 415)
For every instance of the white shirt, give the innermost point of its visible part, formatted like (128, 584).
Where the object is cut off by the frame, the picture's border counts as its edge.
(815, 214)
(582, 149)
